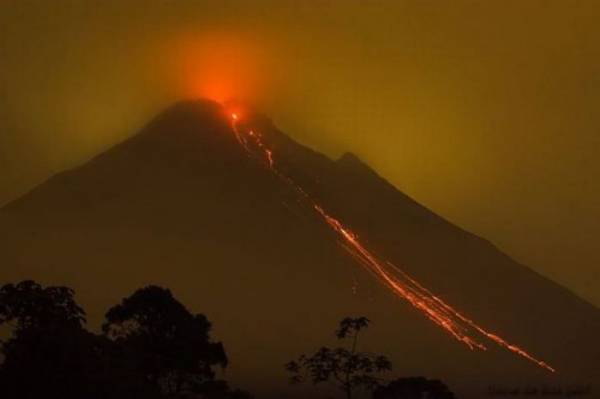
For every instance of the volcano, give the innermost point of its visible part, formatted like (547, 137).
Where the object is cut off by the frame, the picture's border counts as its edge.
(186, 203)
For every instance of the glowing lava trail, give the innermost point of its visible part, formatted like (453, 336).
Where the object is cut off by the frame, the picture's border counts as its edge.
(400, 283)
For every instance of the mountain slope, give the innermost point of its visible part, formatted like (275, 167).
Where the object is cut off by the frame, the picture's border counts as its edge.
(182, 204)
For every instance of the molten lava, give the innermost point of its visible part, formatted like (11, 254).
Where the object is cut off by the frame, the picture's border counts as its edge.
(401, 284)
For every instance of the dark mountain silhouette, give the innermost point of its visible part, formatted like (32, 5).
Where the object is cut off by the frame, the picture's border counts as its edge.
(181, 204)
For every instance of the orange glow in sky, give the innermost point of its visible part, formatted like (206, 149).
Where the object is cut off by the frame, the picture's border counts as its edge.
(220, 67)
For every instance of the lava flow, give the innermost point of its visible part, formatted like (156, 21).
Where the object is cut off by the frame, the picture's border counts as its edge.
(401, 284)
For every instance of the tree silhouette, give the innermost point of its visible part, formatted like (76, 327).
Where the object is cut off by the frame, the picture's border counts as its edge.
(172, 346)
(347, 369)
(219, 389)
(413, 388)
(27, 305)
(151, 347)
(49, 354)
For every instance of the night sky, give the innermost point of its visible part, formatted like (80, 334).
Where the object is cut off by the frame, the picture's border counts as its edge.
(486, 112)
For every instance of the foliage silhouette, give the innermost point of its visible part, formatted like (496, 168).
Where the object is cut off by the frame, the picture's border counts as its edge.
(48, 353)
(413, 388)
(219, 389)
(27, 305)
(172, 345)
(152, 348)
(347, 369)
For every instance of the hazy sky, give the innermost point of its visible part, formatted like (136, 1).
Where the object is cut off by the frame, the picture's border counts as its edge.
(484, 111)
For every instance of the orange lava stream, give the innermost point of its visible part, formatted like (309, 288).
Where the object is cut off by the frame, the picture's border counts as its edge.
(400, 283)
